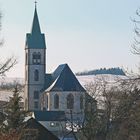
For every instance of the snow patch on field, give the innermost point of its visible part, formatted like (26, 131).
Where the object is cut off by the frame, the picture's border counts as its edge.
(84, 80)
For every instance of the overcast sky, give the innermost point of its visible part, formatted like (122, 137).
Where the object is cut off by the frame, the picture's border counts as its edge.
(86, 34)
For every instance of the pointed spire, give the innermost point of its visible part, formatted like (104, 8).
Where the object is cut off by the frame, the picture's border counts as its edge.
(35, 39)
(35, 3)
(35, 26)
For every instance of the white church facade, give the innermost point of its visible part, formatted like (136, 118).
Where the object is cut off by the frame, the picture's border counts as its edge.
(58, 91)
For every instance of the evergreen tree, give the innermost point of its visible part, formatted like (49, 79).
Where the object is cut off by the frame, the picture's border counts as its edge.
(15, 113)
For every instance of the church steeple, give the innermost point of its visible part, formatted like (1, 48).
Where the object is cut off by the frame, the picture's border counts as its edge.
(35, 26)
(35, 39)
(35, 65)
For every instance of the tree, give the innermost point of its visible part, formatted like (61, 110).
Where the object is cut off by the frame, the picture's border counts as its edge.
(13, 117)
(12, 136)
(126, 116)
(135, 45)
(99, 121)
(9, 62)
(107, 100)
(4, 67)
(14, 111)
(91, 122)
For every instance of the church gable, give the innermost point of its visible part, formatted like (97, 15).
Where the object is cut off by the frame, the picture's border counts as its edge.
(65, 80)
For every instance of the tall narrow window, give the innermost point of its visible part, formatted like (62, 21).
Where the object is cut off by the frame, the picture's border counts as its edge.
(36, 104)
(26, 58)
(26, 75)
(70, 101)
(26, 104)
(36, 95)
(56, 101)
(47, 101)
(81, 102)
(36, 75)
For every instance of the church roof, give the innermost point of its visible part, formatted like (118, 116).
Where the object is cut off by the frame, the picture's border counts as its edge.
(49, 115)
(43, 133)
(35, 39)
(65, 80)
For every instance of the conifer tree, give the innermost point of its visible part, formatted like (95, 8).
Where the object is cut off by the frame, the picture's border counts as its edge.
(15, 113)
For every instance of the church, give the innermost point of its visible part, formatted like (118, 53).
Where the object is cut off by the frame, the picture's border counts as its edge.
(56, 91)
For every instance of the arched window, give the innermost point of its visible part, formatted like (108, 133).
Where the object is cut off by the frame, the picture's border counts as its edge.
(56, 101)
(81, 102)
(36, 75)
(70, 101)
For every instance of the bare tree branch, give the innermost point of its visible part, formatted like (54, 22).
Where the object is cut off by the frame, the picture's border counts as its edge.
(7, 65)
(135, 46)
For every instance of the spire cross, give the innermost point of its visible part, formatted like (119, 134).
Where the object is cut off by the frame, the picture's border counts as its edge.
(35, 3)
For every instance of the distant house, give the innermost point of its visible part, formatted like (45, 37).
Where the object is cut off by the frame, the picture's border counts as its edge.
(33, 130)
(54, 121)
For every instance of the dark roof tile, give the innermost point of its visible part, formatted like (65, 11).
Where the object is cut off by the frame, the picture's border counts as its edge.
(43, 133)
(49, 115)
(65, 80)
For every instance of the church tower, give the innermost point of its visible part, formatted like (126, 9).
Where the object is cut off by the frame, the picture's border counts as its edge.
(35, 65)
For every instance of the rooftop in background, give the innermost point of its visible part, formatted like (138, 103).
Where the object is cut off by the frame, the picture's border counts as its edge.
(33, 125)
(49, 115)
